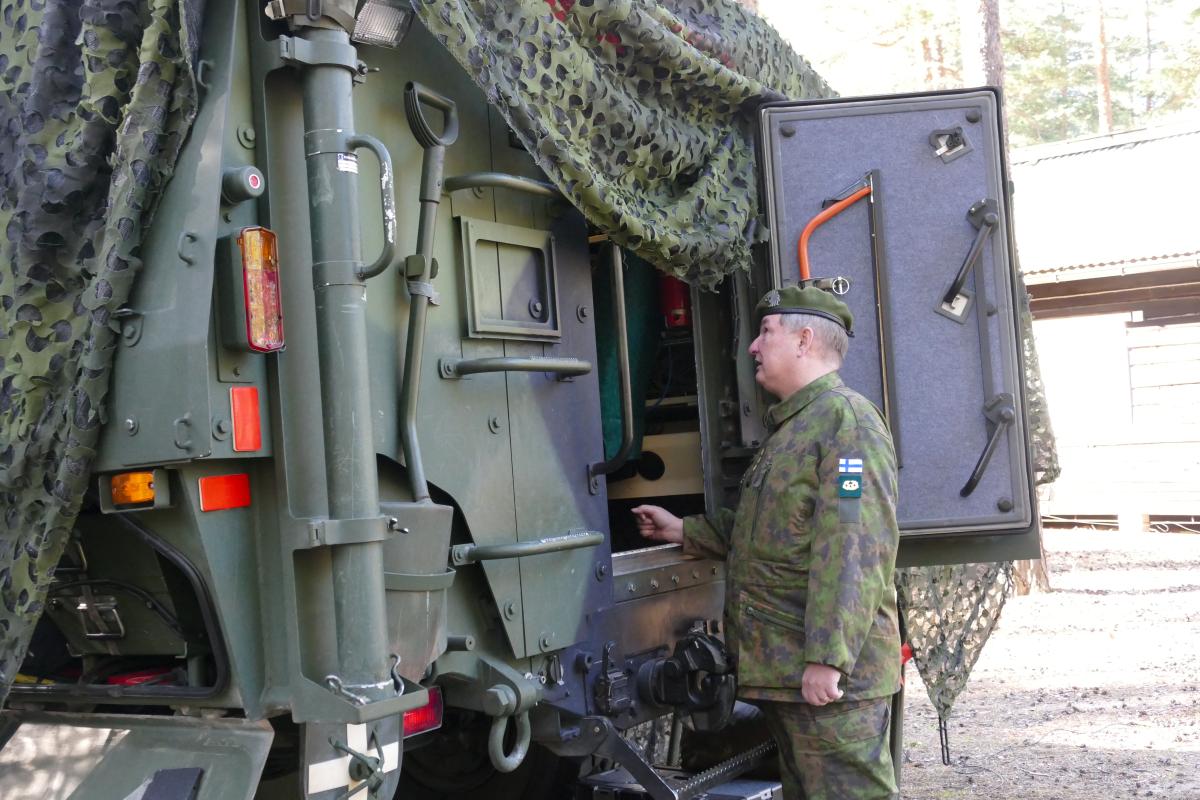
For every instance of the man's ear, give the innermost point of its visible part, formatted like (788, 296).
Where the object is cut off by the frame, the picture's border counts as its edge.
(804, 340)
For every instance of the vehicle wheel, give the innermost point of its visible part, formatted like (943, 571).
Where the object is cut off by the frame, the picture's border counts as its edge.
(454, 765)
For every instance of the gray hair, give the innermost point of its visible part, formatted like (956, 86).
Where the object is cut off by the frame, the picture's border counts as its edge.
(830, 337)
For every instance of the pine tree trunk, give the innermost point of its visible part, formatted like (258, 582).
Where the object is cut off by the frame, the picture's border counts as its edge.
(1103, 81)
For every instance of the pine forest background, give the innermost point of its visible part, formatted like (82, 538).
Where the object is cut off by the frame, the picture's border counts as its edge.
(1069, 68)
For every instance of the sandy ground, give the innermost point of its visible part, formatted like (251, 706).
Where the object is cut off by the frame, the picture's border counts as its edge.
(1089, 691)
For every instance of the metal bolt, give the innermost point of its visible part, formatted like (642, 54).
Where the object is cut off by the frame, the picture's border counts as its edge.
(237, 371)
(222, 426)
(130, 332)
(494, 424)
(631, 588)
(695, 574)
(714, 570)
(653, 584)
(675, 579)
(601, 571)
(246, 136)
(131, 426)
(973, 115)
(596, 729)
(510, 609)
(545, 642)
(787, 131)
(1005, 504)
(535, 308)
(477, 191)
(582, 313)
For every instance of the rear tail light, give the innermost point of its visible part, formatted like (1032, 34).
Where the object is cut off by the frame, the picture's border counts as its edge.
(425, 718)
(260, 290)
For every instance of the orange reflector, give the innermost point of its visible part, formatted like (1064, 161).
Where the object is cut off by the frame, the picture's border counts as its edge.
(425, 718)
(247, 430)
(260, 284)
(220, 492)
(132, 488)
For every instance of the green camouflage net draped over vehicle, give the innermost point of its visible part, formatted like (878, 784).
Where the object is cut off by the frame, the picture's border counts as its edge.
(949, 611)
(639, 112)
(96, 97)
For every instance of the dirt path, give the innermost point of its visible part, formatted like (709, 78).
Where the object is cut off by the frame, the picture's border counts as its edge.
(1089, 691)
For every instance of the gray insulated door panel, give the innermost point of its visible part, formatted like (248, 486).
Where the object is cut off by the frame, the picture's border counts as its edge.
(947, 374)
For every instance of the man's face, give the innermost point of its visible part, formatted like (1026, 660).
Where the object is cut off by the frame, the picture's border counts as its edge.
(776, 354)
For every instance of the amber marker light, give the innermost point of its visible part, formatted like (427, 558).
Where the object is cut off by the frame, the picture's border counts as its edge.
(260, 286)
(132, 488)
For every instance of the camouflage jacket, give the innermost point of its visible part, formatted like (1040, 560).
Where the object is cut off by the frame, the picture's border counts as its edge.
(811, 550)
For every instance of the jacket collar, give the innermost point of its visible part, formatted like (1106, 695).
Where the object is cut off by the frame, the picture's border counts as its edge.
(784, 410)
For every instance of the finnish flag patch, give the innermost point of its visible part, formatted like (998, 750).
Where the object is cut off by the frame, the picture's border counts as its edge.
(851, 466)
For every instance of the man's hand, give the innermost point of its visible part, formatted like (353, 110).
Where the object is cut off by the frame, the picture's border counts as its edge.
(658, 524)
(819, 685)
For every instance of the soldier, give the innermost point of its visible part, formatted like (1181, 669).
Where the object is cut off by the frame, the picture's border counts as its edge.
(810, 607)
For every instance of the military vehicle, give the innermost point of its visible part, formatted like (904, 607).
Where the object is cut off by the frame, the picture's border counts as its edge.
(350, 529)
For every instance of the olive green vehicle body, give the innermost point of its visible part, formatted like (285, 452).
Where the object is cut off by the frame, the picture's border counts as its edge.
(336, 597)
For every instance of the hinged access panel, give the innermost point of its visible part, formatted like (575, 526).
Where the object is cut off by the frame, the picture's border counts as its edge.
(902, 203)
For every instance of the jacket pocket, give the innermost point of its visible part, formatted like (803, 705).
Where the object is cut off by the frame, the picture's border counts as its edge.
(770, 647)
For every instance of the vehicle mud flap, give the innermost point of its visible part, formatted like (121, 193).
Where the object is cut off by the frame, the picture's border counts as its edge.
(416, 579)
(351, 762)
(62, 756)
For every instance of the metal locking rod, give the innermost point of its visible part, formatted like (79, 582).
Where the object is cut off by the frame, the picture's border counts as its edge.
(984, 216)
(1001, 413)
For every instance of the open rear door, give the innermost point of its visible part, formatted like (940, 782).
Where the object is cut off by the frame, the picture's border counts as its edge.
(902, 202)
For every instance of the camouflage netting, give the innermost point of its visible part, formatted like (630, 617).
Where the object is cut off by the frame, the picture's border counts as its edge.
(637, 111)
(949, 611)
(96, 97)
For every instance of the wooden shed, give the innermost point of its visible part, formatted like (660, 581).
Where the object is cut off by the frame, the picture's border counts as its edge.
(1109, 243)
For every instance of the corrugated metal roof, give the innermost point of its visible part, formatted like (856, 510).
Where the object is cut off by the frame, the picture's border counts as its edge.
(1108, 205)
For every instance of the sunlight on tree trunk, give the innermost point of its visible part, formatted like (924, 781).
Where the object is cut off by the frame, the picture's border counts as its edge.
(1104, 122)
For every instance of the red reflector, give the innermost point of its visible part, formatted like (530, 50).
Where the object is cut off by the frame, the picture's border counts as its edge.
(425, 718)
(247, 430)
(220, 492)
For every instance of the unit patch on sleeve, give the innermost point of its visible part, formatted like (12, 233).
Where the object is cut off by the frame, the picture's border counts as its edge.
(850, 485)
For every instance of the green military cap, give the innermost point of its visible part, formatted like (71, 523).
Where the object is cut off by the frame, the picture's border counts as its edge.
(805, 300)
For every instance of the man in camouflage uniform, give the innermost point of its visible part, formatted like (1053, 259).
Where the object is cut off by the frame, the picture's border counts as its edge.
(810, 607)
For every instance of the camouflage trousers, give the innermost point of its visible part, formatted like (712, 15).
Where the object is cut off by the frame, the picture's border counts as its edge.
(835, 752)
